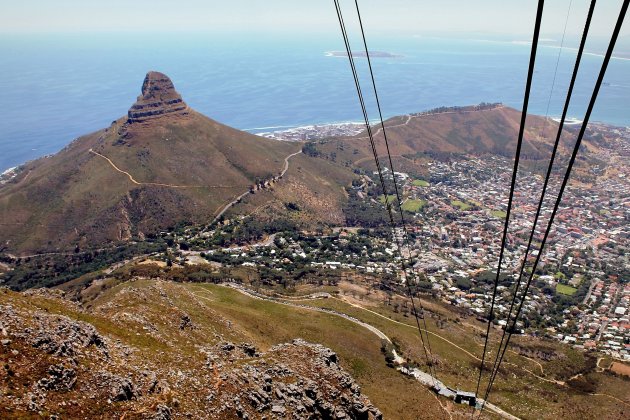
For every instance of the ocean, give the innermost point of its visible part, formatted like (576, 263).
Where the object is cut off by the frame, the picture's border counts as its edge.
(58, 87)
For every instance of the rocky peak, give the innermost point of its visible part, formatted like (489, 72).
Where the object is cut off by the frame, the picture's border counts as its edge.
(159, 98)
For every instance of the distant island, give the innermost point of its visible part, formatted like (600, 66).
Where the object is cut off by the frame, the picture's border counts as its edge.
(363, 54)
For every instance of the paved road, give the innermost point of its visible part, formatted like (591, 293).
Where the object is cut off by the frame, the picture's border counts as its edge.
(256, 295)
(418, 374)
(590, 291)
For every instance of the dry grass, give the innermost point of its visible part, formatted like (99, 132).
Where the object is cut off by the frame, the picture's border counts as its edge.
(620, 369)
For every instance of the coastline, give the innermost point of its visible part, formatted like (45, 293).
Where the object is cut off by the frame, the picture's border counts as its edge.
(314, 131)
(297, 133)
(10, 173)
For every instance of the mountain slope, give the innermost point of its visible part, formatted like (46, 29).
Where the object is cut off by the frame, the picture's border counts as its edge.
(158, 350)
(477, 130)
(162, 164)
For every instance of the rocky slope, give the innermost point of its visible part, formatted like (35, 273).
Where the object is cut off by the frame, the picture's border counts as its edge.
(158, 98)
(64, 361)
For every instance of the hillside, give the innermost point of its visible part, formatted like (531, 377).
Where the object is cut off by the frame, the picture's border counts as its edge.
(172, 356)
(165, 164)
(161, 165)
(478, 130)
(142, 348)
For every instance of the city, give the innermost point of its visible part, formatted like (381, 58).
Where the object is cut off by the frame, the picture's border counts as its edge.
(453, 219)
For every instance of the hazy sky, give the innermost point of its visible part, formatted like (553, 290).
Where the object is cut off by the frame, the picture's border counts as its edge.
(509, 17)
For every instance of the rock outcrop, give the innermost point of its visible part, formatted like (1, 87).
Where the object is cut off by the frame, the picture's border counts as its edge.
(159, 98)
(55, 365)
(297, 380)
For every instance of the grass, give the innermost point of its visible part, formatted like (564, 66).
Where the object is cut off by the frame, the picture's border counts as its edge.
(413, 206)
(565, 290)
(359, 350)
(220, 313)
(498, 214)
(515, 390)
(461, 204)
(391, 198)
(420, 183)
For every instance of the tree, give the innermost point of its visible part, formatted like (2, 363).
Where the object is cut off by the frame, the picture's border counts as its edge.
(463, 283)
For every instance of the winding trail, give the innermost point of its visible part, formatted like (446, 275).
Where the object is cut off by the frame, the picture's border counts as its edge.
(610, 396)
(223, 209)
(561, 383)
(240, 197)
(286, 162)
(542, 369)
(421, 376)
(156, 184)
(408, 116)
(410, 326)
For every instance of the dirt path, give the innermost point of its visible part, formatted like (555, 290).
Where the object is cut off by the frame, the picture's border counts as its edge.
(561, 383)
(377, 132)
(542, 369)
(286, 162)
(260, 296)
(317, 296)
(409, 118)
(238, 198)
(222, 209)
(610, 396)
(157, 184)
(411, 326)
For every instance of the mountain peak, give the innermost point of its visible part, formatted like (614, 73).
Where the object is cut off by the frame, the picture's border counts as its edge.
(158, 98)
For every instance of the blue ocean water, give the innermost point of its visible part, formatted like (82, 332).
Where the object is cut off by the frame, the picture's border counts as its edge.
(58, 87)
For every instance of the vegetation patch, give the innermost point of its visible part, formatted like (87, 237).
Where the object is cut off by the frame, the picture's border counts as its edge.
(413, 206)
(565, 290)
(420, 183)
(461, 204)
(499, 214)
(363, 213)
(390, 198)
(50, 270)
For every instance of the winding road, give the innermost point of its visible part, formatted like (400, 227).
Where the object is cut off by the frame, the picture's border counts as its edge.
(421, 376)
(409, 117)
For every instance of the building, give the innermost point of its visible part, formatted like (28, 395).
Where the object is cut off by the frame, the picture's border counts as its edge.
(463, 397)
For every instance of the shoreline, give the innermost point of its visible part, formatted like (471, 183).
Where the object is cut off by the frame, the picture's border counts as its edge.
(348, 128)
(305, 132)
(10, 173)
(314, 131)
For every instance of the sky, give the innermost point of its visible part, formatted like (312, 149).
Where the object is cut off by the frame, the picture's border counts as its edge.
(499, 17)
